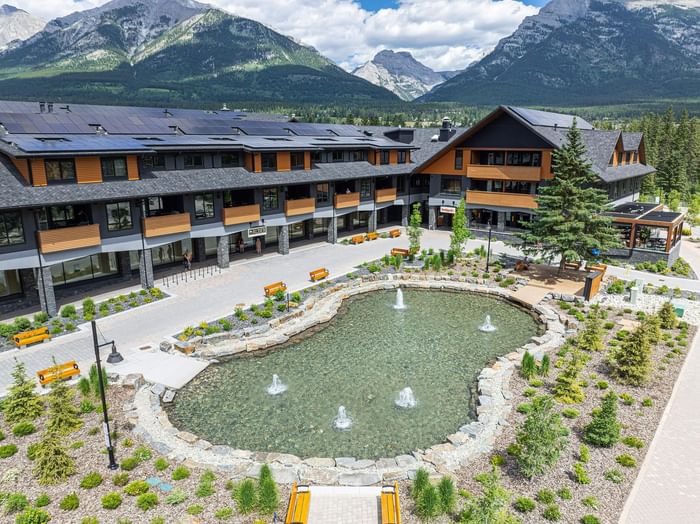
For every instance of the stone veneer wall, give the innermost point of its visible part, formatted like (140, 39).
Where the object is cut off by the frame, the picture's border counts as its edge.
(149, 419)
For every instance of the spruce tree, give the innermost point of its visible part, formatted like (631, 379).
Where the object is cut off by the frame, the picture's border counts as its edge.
(630, 362)
(568, 223)
(567, 388)
(528, 366)
(604, 430)
(591, 338)
(652, 327)
(52, 463)
(22, 402)
(540, 439)
(493, 506)
(64, 415)
(667, 316)
(414, 228)
(460, 232)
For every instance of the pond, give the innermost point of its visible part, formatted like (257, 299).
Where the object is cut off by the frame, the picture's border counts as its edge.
(361, 360)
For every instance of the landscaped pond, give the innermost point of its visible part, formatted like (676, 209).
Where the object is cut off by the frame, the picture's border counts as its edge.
(361, 360)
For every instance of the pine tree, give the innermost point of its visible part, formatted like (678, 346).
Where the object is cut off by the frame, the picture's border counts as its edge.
(604, 430)
(630, 362)
(667, 316)
(652, 327)
(64, 415)
(52, 463)
(569, 223)
(567, 388)
(528, 366)
(591, 338)
(22, 402)
(460, 232)
(414, 229)
(540, 439)
(493, 506)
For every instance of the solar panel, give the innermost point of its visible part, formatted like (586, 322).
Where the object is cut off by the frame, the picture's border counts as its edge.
(547, 119)
(74, 143)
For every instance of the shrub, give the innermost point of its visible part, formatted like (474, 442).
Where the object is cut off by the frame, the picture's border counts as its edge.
(68, 311)
(630, 363)
(627, 399)
(615, 476)
(7, 451)
(223, 513)
(540, 438)
(137, 487)
(497, 460)
(142, 454)
(42, 500)
(552, 513)
(161, 464)
(524, 504)
(89, 520)
(590, 501)
(633, 442)
(111, 500)
(568, 384)
(147, 501)
(22, 402)
(195, 509)
(570, 412)
(15, 502)
(244, 495)
(41, 317)
(428, 503)
(120, 479)
(591, 338)
(667, 315)
(22, 324)
(528, 366)
(604, 430)
(529, 392)
(626, 461)
(647, 402)
(616, 287)
(580, 474)
(523, 408)
(129, 464)
(536, 382)
(32, 516)
(181, 473)
(31, 450)
(268, 498)
(91, 480)
(545, 496)
(602, 384)
(584, 454)
(565, 494)
(420, 482)
(296, 297)
(447, 495)
(281, 307)
(544, 366)
(590, 519)
(69, 502)
(176, 497)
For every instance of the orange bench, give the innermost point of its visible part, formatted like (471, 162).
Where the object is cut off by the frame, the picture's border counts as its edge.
(521, 265)
(572, 265)
(601, 268)
(391, 510)
(58, 372)
(372, 236)
(298, 510)
(318, 274)
(395, 233)
(357, 239)
(30, 337)
(399, 251)
(271, 289)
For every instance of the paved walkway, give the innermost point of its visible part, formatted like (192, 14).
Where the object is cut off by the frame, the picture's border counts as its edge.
(345, 505)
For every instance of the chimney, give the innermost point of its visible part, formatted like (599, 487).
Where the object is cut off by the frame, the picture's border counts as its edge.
(49, 107)
(42, 107)
(446, 130)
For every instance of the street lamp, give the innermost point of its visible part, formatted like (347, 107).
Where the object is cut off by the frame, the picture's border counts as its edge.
(113, 358)
(488, 250)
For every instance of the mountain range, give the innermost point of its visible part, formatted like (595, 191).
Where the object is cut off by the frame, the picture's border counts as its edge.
(17, 24)
(588, 52)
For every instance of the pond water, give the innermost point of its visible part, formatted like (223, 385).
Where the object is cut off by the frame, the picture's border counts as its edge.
(361, 360)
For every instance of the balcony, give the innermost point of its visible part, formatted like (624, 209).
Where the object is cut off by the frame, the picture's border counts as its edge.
(166, 225)
(300, 206)
(522, 173)
(385, 195)
(241, 214)
(66, 238)
(344, 200)
(498, 199)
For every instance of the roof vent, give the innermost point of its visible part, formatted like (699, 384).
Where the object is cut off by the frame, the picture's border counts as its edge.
(435, 138)
(446, 123)
(66, 108)
(167, 113)
(42, 107)
(224, 107)
(49, 107)
(446, 131)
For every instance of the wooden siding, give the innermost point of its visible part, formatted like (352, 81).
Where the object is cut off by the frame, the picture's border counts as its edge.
(372, 157)
(249, 160)
(385, 195)
(39, 172)
(241, 214)
(393, 156)
(88, 170)
(445, 164)
(347, 200)
(486, 198)
(132, 168)
(284, 161)
(257, 163)
(307, 160)
(66, 238)
(22, 165)
(166, 225)
(546, 169)
(299, 206)
(523, 173)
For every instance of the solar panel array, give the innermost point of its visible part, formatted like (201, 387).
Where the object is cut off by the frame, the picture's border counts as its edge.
(76, 143)
(547, 119)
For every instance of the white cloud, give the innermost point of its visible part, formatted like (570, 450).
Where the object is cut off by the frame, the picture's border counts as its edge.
(443, 34)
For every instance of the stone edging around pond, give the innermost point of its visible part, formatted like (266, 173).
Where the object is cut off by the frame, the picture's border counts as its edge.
(151, 421)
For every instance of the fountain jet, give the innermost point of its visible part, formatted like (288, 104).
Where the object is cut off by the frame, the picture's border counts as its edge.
(406, 399)
(487, 327)
(399, 300)
(276, 388)
(342, 421)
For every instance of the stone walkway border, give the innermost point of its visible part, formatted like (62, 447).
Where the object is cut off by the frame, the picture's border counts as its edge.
(148, 418)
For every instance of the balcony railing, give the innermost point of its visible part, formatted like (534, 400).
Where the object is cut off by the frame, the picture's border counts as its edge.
(241, 214)
(523, 173)
(166, 225)
(344, 200)
(487, 198)
(385, 195)
(299, 206)
(66, 238)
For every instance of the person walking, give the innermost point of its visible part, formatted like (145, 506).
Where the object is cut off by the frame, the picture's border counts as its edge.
(258, 246)
(187, 260)
(241, 244)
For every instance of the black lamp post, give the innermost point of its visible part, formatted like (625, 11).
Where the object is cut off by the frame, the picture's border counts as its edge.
(488, 250)
(113, 358)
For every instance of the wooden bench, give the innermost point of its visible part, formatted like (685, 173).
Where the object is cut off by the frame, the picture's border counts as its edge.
(58, 372)
(572, 265)
(391, 511)
(271, 289)
(601, 268)
(399, 251)
(521, 265)
(395, 233)
(298, 510)
(318, 274)
(357, 239)
(372, 236)
(30, 337)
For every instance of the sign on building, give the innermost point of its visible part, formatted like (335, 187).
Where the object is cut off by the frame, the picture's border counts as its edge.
(448, 210)
(259, 231)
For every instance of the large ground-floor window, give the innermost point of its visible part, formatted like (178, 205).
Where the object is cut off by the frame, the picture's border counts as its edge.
(10, 283)
(85, 268)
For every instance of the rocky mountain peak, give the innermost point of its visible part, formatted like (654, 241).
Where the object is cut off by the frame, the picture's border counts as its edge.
(17, 24)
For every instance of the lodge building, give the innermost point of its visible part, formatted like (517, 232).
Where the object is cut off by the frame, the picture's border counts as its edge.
(95, 194)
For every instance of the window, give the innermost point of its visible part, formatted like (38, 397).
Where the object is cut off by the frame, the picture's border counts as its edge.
(450, 185)
(517, 187)
(491, 158)
(619, 158)
(204, 206)
(383, 157)
(317, 157)
(497, 185)
(365, 189)
(193, 161)
(153, 161)
(55, 217)
(231, 160)
(401, 157)
(59, 170)
(337, 156)
(269, 161)
(10, 283)
(154, 206)
(114, 167)
(297, 158)
(86, 268)
(359, 156)
(11, 230)
(270, 199)
(636, 157)
(628, 159)
(459, 159)
(524, 158)
(400, 184)
(322, 193)
(119, 216)
(478, 185)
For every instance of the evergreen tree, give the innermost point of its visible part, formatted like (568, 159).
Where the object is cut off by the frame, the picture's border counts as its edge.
(604, 430)
(591, 338)
(528, 366)
(541, 438)
(652, 327)
(630, 362)
(667, 316)
(568, 222)
(460, 232)
(493, 507)
(567, 388)
(52, 463)
(414, 228)
(22, 402)
(64, 415)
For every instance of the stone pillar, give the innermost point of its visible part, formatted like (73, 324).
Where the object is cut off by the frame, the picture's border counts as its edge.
(124, 262)
(405, 213)
(432, 218)
(222, 252)
(283, 243)
(372, 222)
(47, 297)
(333, 230)
(29, 286)
(146, 269)
(200, 250)
(501, 226)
